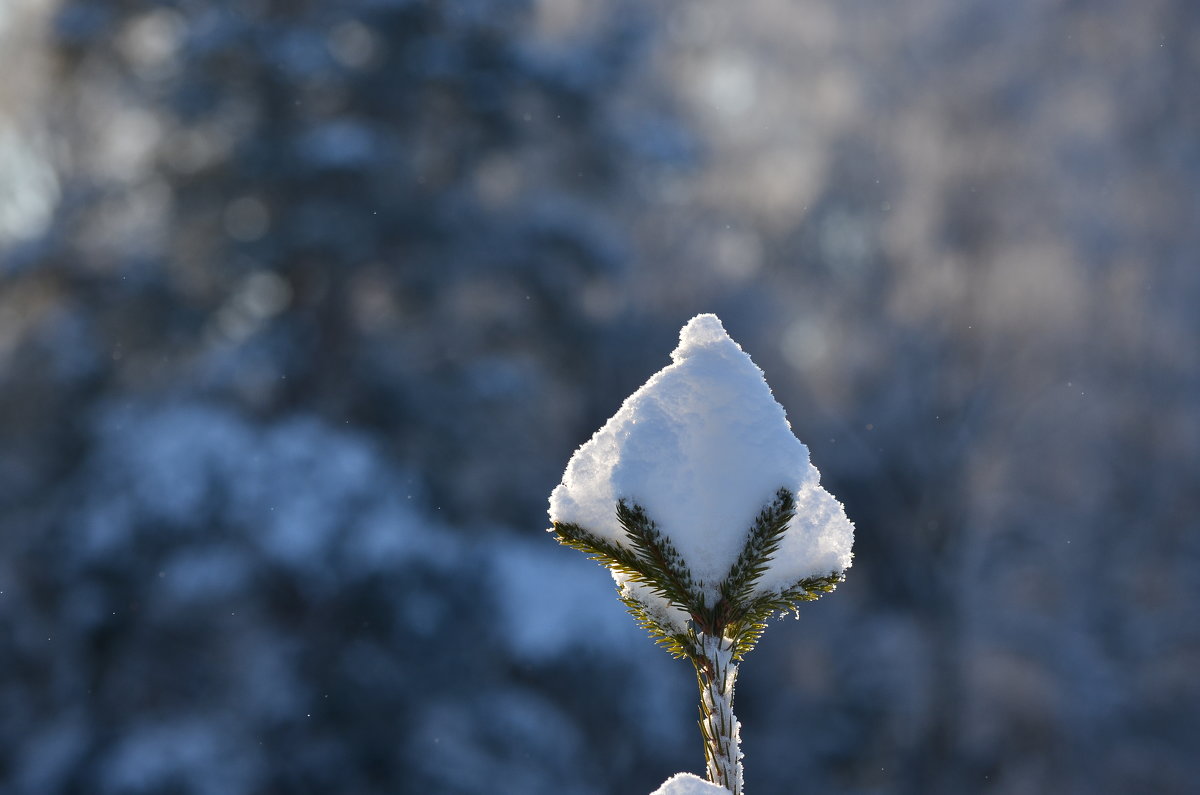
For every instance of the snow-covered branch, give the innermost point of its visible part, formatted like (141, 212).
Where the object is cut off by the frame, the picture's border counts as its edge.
(706, 508)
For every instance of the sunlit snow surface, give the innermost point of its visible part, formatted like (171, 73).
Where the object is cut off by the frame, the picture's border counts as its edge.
(689, 784)
(703, 446)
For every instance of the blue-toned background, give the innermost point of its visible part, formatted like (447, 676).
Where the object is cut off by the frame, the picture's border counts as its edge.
(304, 306)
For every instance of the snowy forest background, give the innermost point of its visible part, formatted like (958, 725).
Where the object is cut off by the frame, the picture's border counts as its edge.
(304, 306)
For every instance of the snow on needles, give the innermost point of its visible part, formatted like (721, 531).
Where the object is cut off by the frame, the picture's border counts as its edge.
(703, 446)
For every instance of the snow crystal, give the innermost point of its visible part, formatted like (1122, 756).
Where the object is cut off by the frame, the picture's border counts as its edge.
(689, 784)
(703, 446)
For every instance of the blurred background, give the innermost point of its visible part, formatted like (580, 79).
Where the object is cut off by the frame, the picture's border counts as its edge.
(305, 305)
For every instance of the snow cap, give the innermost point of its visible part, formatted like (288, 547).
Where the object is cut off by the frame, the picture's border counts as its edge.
(703, 446)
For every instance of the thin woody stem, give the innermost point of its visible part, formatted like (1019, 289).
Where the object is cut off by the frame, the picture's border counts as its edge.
(716, 672)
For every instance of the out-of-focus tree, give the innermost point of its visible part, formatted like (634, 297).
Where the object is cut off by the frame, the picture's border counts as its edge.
(312, 300)
(451, 236)
(369, 210)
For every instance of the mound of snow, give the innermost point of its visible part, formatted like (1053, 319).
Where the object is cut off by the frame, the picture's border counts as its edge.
(703, 446)
(689, 784)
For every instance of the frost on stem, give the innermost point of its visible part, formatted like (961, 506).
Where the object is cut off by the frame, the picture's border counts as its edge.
(705, 507)
(717, 674)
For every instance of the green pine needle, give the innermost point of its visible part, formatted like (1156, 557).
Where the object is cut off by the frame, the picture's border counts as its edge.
(614, 556)
(751, 626)
(762, 542)
(670, 576)
(650, 559)
(678, 645)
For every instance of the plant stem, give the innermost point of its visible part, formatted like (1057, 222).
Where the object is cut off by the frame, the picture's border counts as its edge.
(717, 675)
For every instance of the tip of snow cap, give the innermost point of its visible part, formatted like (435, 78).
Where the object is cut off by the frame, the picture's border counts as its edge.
(702, 331)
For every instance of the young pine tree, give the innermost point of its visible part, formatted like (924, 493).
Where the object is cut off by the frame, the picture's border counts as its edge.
(705, 507)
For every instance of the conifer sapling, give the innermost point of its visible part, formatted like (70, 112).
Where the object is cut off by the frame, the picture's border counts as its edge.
(705, 507)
